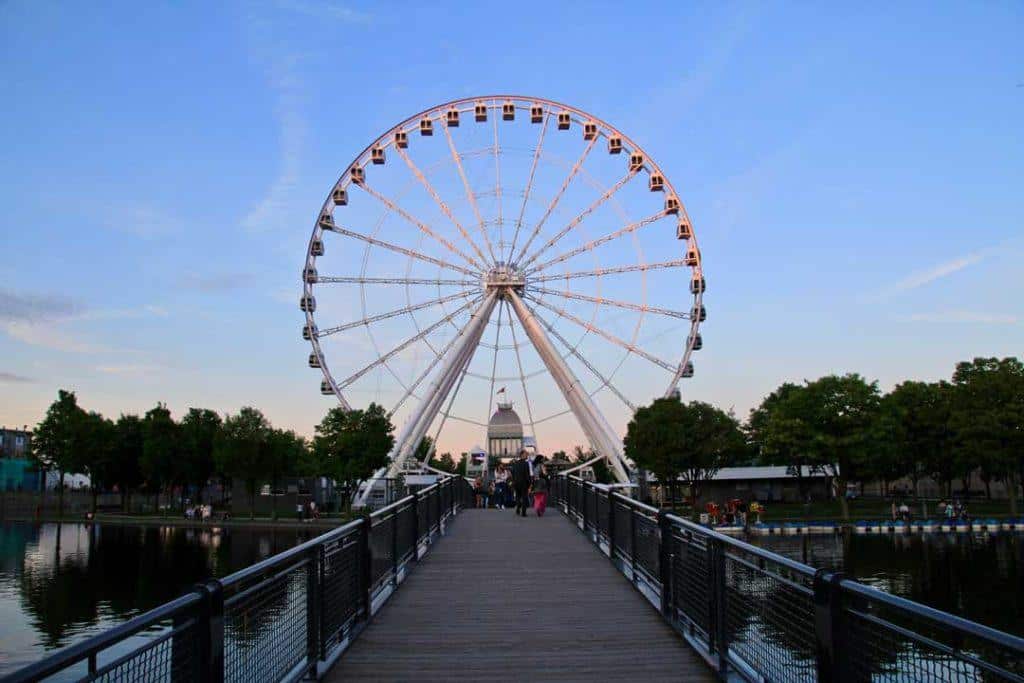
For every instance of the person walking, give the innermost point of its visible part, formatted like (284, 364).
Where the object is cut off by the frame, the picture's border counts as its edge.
(501, 477)
(541, 486)
(521, 481)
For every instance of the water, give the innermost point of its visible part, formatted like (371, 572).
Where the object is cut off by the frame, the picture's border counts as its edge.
(977, 576)
(62, 583)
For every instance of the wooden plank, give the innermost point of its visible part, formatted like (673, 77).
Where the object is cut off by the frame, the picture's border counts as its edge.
(510, 598)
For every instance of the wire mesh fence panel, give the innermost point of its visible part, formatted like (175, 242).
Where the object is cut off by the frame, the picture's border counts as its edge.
(889, 644)
(265, 626)
(648, 546)
(590, 507)
(382, 562)
(770, 617)
(423, 504)
(601, 513)
(691, 579)
(622, 518)
(169, 656)
(405, 518)
(342, 598)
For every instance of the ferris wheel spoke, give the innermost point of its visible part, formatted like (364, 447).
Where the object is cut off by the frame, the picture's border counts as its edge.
(605, 196)
(642, 308)
(447, 412)
(407, 343)
(424, 228)
(529, 185)
(440, 202)
(522, 375)
(397, 249)
(641, 267)
(590, 246)
(498, 188)
(633, 348)
(605, 382)
(329, 279)
(557, 198)
(438, 355)
(469, 190)
(494, 364)
(464, 294)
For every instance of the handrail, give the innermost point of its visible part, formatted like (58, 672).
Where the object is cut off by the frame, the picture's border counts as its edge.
(197, 646)
(749, 620)
(73, 654)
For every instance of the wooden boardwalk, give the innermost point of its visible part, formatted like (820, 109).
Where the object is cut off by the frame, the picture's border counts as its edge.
(503, 598)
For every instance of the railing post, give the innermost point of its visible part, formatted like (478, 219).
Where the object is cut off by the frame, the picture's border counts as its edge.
(366, 568)
(437, 496)
(828, 627)
(583, 505)
(665, 563)
(611, 526)
(718, 597)
(210, 633)
(313, 601)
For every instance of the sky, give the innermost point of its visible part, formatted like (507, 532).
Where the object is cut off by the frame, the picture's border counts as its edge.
(854, 175)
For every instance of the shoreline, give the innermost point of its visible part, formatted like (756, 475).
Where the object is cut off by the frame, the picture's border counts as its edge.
(143, 520)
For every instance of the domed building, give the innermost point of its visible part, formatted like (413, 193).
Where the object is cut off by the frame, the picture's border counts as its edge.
(504, 433)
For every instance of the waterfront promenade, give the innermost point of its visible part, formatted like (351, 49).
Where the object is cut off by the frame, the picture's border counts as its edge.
(507, 598)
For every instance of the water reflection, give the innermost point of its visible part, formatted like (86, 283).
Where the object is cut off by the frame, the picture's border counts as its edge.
(978, 576)
(62, 582)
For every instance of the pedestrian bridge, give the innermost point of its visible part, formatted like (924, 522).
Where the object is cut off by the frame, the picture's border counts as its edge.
(600, 588)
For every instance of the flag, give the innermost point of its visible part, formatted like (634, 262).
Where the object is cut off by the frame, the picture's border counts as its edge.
(501, 391)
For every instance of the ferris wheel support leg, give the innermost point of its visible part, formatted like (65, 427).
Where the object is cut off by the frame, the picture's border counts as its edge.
(433, 398)
(600, 434)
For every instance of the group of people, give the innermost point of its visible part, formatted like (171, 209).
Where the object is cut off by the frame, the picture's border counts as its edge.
(523, 483)
(307, 511)
(200, 512)
(953, 509)
(734, 512)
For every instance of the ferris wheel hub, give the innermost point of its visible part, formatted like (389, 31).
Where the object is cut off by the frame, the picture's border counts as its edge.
(504, 277)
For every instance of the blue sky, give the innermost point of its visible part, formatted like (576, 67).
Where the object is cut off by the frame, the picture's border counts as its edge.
(854, 174)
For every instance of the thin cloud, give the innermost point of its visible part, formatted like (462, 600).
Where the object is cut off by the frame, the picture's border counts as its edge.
(130, 370)
(278, 206)
(140, 219)
(217, 282)
(963, 317)
(923, 277)
(31, 307)
(12, 378)
(326, 10)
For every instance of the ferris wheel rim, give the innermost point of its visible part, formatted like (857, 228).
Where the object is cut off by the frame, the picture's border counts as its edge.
(495, 102)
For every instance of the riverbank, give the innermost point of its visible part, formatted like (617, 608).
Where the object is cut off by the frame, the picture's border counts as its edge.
(259, 523)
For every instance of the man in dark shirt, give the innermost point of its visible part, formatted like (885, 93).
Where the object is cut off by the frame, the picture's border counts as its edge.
(521, 482)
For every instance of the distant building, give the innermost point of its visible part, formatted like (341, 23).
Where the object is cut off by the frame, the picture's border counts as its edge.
(504, 433)
(15, 443)
(766, 484)
(18, 472)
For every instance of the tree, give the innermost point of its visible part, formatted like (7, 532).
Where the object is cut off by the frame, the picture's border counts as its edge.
(844, 413)
(96, 452)
(445, 463)
(284, 449)
(780, 432)
(160, 449)
(126, 455)
(424, 450)
(917, 414)
(688, 441)
(987, 415)
(54, 441)
(354, 444)
(241, 448)
(199, 430)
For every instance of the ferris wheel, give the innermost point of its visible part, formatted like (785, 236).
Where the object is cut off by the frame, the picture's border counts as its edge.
(503, 245)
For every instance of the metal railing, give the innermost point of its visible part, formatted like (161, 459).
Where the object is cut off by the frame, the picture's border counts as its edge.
(758, 616)
(288, 617)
